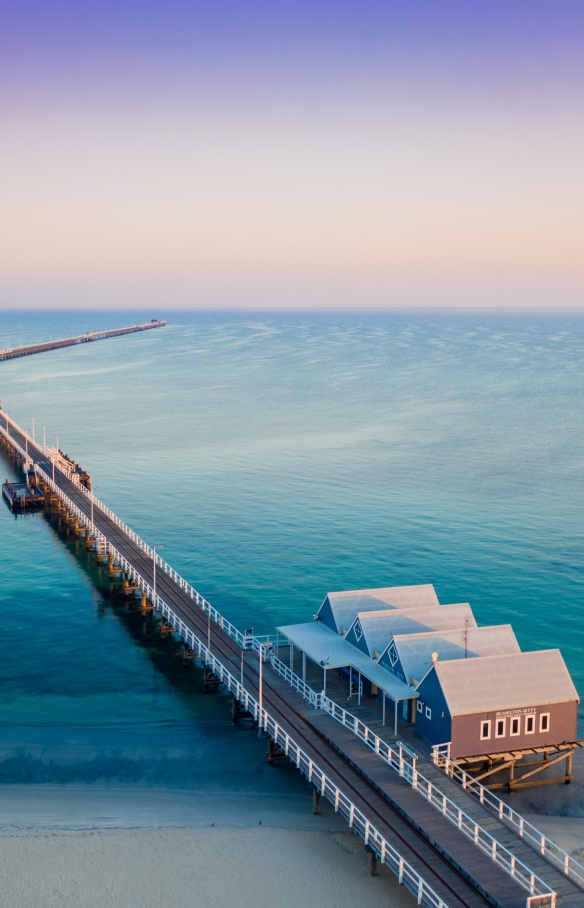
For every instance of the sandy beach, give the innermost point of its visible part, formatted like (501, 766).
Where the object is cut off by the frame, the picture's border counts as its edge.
(109, 847)
(176, 868)
(120, 846)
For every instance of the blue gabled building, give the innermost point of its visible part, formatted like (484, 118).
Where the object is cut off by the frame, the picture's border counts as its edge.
(371, 632)
(409, 656)
(338, 611)
(498, 704)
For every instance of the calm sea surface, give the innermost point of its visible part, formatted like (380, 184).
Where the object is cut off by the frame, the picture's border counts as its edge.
(276, 457)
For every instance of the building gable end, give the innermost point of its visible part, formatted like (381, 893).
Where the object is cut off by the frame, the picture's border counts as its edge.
(325, 614)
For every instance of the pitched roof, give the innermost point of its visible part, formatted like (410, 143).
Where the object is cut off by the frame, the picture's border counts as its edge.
(415, 650)
(379, 627)
(345, 605)
(326, 648)
(513, 681)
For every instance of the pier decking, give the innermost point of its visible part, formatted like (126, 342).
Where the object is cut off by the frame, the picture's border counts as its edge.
(432, 855)
(29, 349)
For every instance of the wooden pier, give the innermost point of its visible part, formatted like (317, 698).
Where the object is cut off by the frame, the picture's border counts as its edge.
(29, 349)
(428, 844)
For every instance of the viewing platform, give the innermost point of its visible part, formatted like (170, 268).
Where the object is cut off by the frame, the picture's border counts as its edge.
(23, 497)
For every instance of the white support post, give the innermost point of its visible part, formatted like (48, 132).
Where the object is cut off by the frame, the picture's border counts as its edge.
(383, 714)
(304, 667)
(291, 657)
(324, 682)
(359, 691)
(395, 709)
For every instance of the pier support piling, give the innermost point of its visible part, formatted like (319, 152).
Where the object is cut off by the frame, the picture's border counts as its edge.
(373, 866)
(275, 752)
(210, 681)
(315, 801)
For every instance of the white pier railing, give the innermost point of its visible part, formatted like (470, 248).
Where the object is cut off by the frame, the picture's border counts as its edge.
(555, 855)
(404, 762)
(539, 892)
(386, 852)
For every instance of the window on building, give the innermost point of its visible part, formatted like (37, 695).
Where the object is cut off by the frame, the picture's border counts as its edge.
(515, 726)
(428, 713)
(358, 631)
(485, 730)
(529, 725)
(419, 706)
(392, 654)
(500, 728)
(544, 722)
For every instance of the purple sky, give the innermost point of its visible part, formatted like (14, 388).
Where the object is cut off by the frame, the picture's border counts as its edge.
(234, 154)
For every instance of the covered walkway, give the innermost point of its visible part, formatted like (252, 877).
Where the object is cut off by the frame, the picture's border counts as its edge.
(329, 651)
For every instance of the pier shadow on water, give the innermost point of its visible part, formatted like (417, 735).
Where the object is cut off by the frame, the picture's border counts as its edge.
(92, 692)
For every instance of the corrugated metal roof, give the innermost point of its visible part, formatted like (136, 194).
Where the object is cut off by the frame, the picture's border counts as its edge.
(324, 646)
(415, 650)
(345, 605)
(515, 681)
(379, 627)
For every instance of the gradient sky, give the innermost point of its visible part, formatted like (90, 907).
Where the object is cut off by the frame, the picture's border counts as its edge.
(291, 154)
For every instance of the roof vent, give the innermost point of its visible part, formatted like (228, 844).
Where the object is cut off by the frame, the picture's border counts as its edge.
(434, 657)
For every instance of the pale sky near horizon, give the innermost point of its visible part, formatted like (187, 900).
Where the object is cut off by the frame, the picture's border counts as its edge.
(318, 154)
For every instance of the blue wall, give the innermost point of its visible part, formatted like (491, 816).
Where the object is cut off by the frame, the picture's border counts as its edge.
(325, 614)
(396, 669)
(360, 644)
(436, 729)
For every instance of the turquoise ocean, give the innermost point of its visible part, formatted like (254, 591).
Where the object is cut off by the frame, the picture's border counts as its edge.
(277, 457)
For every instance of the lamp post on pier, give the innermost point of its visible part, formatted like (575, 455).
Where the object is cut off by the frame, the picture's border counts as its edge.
(154, 549)
(261, 686)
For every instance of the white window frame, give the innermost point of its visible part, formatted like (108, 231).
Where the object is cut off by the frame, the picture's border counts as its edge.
(543, 716)
(428, 713)
(486, 722)
(527, 718)
(419, 706)
(358, 631)
(392, 654)
(504, 733)
(511, 721)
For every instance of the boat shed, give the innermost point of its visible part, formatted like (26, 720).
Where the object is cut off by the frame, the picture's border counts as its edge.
(409, 656)
(371, 632)
(494, 704)
(339, 610)
(332, 652)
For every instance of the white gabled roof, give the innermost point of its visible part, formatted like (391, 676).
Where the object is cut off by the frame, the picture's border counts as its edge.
(515, 681)
(326, 648)
(380, 627)
(345, 605)
(415, 650)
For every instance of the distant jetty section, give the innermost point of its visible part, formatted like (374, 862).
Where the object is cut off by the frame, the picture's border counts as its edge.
(78, 339)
